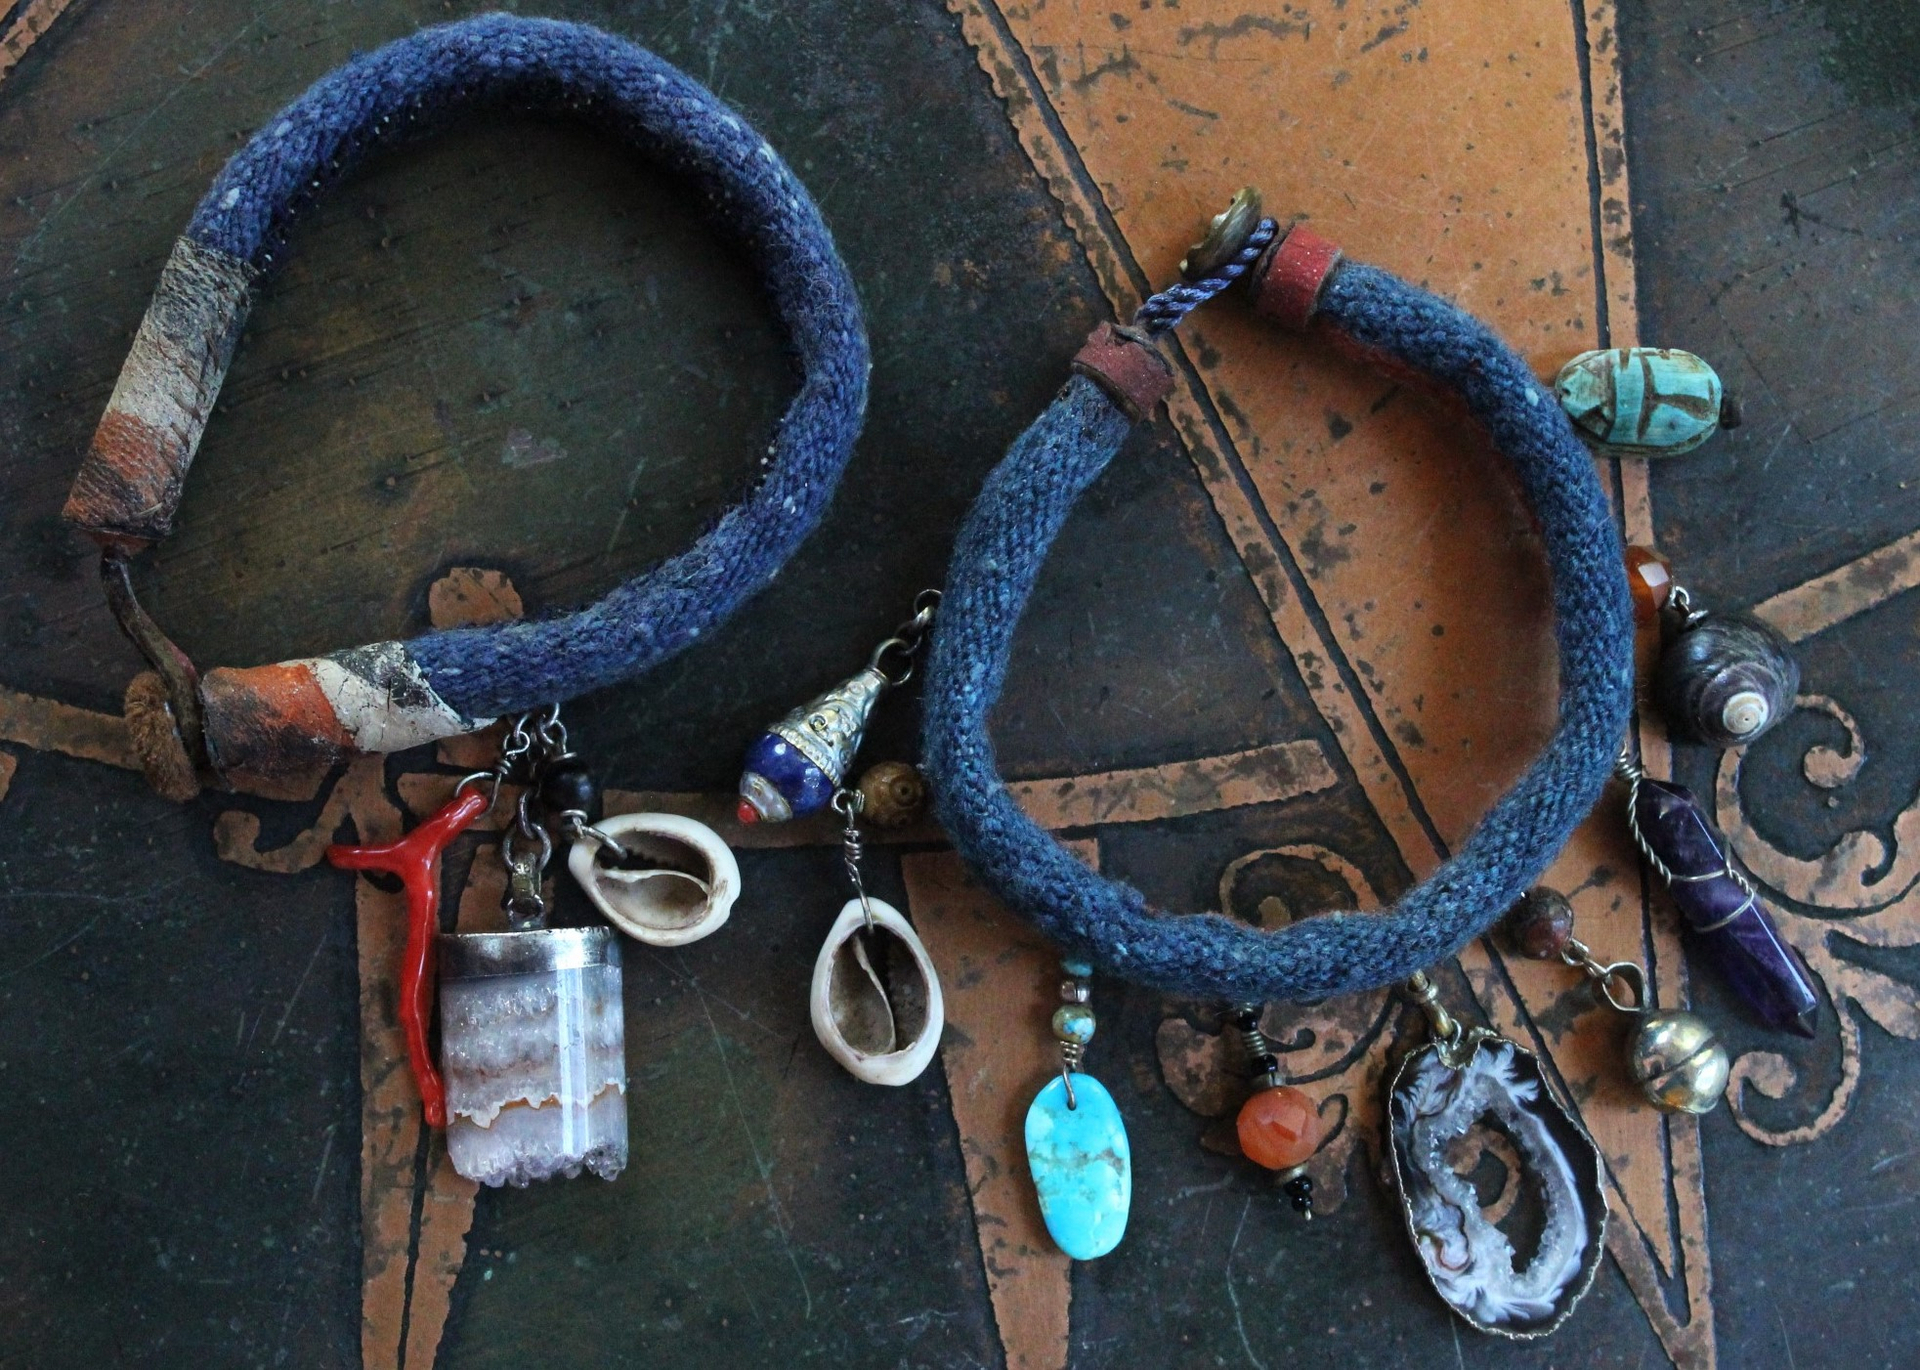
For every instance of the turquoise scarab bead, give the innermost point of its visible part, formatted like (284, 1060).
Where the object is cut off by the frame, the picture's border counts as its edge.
(1644, 401)
(1082, 1166)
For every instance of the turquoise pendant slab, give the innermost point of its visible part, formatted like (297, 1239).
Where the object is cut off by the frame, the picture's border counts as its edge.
(1643, 401)
(1082, 1166)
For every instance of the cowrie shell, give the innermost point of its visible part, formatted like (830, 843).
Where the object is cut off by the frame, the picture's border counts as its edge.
(876, 1003)
(685, 890)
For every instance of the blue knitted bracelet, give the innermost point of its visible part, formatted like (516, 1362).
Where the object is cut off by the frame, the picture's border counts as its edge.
(266, 724)
(1300, 280)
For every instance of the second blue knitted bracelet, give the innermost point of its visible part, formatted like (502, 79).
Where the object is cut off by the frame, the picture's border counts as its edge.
(1302, 281)
(263, 726)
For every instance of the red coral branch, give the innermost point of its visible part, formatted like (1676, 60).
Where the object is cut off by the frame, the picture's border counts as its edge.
(415, 858)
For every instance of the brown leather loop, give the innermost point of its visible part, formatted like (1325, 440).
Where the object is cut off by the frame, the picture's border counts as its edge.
(1287, 281)
(135, 470)
(1126, 365)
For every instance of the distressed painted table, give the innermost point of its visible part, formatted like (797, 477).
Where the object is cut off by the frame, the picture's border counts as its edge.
(1285, 653)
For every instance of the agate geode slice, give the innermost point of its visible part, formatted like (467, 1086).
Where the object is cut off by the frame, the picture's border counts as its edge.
(1471, 1261)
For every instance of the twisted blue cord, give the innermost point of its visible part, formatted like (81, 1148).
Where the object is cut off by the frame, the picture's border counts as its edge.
(1163, 312)
(998, 556)
(499, 61)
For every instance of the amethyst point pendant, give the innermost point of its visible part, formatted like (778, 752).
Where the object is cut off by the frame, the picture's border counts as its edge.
(1722, 910)
(794, 767)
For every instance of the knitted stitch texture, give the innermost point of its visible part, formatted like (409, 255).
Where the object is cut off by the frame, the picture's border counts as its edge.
(998, 556)
(498, 61)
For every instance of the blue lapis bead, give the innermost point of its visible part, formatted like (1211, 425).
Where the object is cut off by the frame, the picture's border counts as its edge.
(779, 782)
(1082, 1166)
(793, 768)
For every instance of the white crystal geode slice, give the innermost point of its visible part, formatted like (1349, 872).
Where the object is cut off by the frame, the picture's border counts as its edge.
(536, 1074)
(1438, 1099)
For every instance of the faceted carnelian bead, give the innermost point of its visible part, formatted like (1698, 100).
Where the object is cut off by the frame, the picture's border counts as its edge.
(1651, 580)
(1279, 1128)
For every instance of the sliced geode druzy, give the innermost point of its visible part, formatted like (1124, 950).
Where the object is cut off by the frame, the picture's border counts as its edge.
(1470, 1261)
(1724, 914)
(533, 1047)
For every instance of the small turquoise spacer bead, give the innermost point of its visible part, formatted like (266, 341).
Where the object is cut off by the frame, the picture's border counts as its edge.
(1073, 1023)
(1076, 967)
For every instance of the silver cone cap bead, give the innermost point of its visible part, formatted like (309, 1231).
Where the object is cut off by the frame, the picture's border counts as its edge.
(827, 731)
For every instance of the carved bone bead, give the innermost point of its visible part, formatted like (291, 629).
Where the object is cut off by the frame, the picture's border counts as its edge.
(893, 794)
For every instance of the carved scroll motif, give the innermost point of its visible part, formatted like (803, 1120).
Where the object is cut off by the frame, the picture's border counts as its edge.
(1858, 893)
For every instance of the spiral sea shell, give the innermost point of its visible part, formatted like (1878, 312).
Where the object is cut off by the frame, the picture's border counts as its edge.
(1726, 680)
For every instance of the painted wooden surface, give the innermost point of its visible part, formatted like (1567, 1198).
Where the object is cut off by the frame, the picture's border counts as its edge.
(1284, 654)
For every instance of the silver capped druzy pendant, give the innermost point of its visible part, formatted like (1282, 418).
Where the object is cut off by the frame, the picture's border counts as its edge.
(1440, 1093)
(1643, 401)
(533, 1046)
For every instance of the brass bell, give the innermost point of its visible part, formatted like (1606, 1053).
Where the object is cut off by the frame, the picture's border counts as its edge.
(1678, 1062)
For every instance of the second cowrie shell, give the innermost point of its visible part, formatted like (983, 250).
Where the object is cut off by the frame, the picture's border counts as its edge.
(881, 1021)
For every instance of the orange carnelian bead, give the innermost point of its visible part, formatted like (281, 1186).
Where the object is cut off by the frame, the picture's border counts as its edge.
(1279, 1128)
(1651, 580)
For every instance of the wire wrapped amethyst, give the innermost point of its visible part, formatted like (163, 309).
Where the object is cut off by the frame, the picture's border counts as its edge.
(1721, 908)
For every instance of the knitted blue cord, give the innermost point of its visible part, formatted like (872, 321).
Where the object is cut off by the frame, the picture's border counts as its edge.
(498, 61)
(998, 556)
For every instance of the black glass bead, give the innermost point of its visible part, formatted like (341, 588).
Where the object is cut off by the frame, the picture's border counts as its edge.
(1246, 1019)
(1300, 1187)
(568, 787)
(1266, 1064)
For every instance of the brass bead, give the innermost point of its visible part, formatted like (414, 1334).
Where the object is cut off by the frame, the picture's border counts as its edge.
(1226, 235)
(894, 792)
(1678, 1062)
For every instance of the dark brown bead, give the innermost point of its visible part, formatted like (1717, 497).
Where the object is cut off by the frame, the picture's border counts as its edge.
(894, 794)
(1541, 924)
